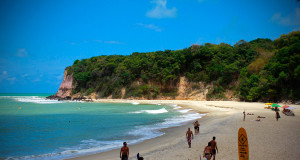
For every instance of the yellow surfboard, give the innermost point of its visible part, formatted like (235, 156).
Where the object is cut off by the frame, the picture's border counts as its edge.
(243, 144)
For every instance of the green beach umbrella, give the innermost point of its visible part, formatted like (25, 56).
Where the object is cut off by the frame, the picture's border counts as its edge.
(274, 105)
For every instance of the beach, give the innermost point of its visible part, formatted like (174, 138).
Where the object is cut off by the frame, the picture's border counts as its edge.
(268, 138)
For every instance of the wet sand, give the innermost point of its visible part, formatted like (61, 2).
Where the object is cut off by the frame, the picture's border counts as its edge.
(268, 138)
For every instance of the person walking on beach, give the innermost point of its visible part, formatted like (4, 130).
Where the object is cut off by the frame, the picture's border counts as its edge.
(196, 127)
(244, 115)
(189, 136)
(277, 115)
(214, 147)
(207, 151)
(124, 152)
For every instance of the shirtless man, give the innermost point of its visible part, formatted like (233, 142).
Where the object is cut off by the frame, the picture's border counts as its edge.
(196, 127)
(124, 152)
(189, 136)
(214, 147)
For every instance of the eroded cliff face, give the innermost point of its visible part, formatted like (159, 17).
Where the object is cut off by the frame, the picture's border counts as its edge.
(66, 86)
(191, 91)
(185, 91)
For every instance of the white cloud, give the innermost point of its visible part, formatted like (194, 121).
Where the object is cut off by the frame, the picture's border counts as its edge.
(24, 75)
(289, 20)
(3, 75)
(22, 52)
(113, 42)
(161, 11)
(11, 79)
(6, 76)
(99, 41)
(36, 80)
(150, 26)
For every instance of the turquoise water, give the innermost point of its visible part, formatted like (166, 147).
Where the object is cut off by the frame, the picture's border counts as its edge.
(32, 127)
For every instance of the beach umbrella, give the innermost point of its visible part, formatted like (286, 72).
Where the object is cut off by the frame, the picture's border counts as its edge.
(275, 105)
(286, 106)
(268, 104)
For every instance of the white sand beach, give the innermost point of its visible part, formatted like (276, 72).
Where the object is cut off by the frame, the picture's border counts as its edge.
(268, 138)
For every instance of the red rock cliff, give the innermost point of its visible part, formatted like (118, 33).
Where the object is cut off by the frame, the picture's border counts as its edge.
(66, 86)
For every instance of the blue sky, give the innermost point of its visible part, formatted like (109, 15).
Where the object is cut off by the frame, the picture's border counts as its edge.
(39, 39)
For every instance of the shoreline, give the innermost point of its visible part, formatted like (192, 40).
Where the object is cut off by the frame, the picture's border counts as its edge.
(223, 120)
(146, 146)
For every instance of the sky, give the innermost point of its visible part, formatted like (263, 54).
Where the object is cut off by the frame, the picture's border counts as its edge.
(40, 38)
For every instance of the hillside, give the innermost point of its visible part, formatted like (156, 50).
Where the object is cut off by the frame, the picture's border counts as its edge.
(259, 70)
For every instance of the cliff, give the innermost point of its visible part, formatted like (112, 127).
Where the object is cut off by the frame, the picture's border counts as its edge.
(259, 70)
(65, 88)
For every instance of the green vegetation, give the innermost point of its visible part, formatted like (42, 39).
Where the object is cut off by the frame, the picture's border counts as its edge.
(261, 69)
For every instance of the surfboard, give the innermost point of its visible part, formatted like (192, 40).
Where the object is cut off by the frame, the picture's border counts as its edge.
(243, 144)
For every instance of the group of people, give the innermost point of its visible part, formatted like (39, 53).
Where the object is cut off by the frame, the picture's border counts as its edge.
(277, 115)
(210, 150)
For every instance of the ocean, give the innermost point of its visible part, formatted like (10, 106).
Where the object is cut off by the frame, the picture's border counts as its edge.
(32, 127)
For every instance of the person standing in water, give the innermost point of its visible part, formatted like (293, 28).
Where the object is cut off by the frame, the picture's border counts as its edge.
(124, 152)
(214, 147)
(189, 136)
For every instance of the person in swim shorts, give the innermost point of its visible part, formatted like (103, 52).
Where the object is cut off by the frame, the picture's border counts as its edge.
(189, 136)
(214, 147)
(196, 127)
(124, 152)
(207, 151)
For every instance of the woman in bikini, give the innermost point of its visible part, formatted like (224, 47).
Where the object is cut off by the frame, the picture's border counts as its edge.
(207, 151)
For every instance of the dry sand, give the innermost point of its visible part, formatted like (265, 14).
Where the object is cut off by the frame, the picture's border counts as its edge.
(268, 139)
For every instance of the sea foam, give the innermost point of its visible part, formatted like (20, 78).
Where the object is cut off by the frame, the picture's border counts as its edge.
(36, 99)
(158, 111)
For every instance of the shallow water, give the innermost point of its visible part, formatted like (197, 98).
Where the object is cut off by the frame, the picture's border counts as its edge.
(32, 127)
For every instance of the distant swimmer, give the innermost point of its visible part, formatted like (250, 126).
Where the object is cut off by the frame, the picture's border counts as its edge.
(124, 152)
(19, 107)
(214, 147)
(189, 136)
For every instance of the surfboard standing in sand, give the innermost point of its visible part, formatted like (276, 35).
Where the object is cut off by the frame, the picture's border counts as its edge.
(243, 144)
